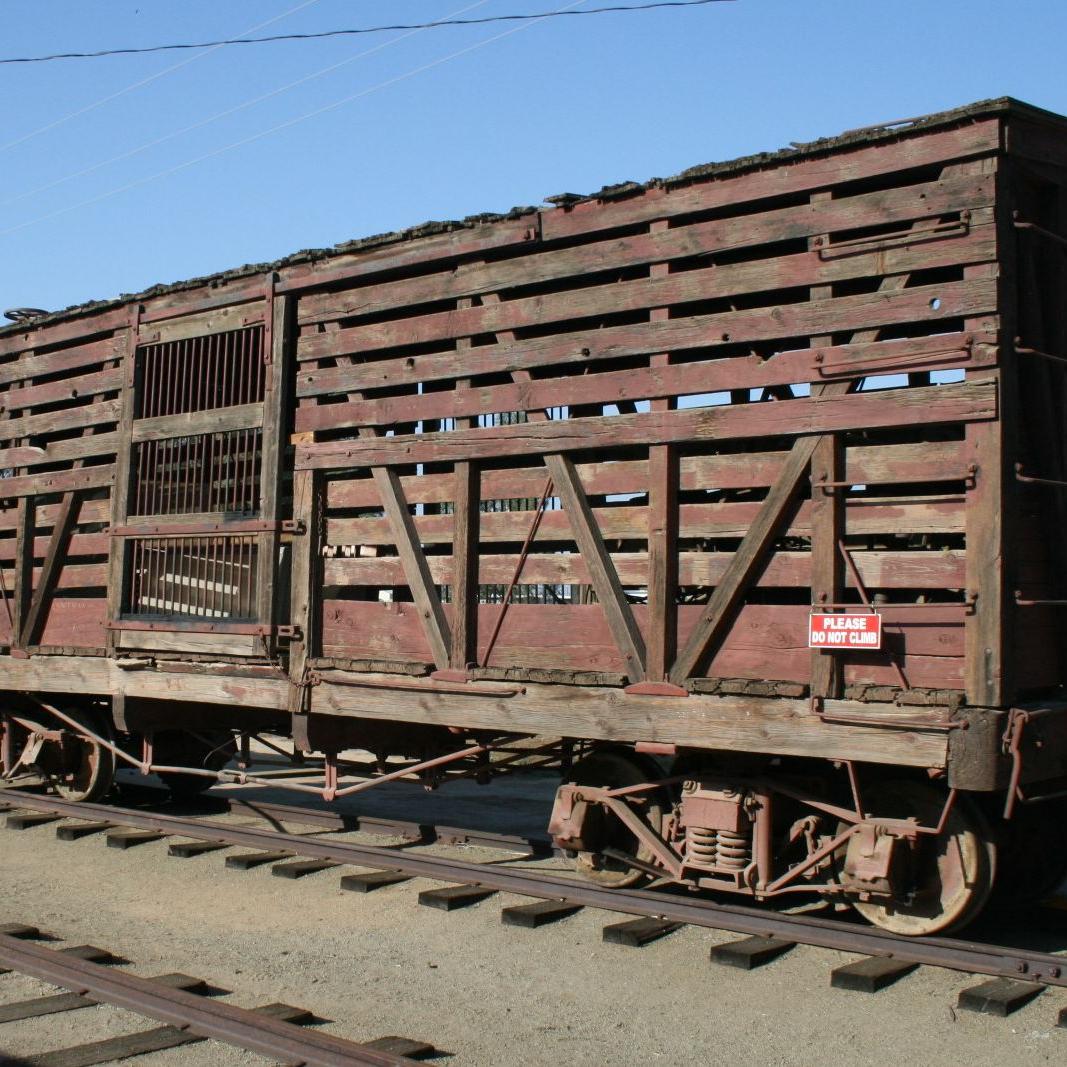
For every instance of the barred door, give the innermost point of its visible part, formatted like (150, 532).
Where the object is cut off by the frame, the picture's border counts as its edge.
(195, 519)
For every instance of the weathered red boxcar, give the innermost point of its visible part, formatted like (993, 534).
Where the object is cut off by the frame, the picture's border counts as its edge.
(591, 474)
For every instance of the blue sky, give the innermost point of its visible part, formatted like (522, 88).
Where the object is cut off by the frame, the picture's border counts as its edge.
(100, 196)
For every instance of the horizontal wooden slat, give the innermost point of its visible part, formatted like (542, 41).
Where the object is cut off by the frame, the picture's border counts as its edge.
(202, 323)
(914, 515)
(971, 298)
(80, 545)
(879, 570)
(101, 444)
(942, 460)
(962, 402)
(89, 354)
(793, 176)
(768, 641)
(69, 388)
(91, 511)
(101, 413)
(714, 282)
(75, 621)
(220, 420)
(712, 376)
(58, 481)
(886, 206)
(71, 576)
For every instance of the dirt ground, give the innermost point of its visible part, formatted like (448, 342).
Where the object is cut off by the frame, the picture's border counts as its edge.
(485, 993)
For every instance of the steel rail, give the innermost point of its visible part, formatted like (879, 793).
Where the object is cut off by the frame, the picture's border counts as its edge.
(204, 1017)
(950, 953)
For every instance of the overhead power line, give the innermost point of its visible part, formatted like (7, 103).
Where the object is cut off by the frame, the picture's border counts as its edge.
(523, 17)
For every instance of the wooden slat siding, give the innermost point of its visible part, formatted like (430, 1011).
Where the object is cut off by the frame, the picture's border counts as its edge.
(305, 586)
(614, 387)
(203, 323)
(217, 420)
(886, 206)
(85, 326)
(80, 545)
(990, 502)
(98, 510)
(662, 580)
(71, 576)
(773, 515)
(58, 481)
(74, 622)
(41, 602)
(102, 444)
(773, 179)
(103, 412)
(876, 515)
(120, 493)
(926, 570)
(79, 358)
(406, 540)
(95, 384)
(272, 449)
(961, 402)
(827, 508)
(864, 311)
(942, 460)
(711, 283)
(768, 643)
(22, 585)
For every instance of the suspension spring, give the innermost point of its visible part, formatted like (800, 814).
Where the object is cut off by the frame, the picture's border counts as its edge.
(734, 849)
(702, 845)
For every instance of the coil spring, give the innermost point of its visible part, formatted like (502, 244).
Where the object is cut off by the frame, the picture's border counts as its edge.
(734, 850)
(702, 845)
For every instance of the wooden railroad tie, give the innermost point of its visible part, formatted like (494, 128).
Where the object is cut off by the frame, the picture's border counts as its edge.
(452, 897)
(999, 996)
(750, 952)
(539, 913)
(870, 974)
(368, 881)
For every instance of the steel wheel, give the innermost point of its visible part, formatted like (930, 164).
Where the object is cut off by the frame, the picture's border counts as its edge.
(610, 769)
(952, 875)
(77, 768)
(210, 750)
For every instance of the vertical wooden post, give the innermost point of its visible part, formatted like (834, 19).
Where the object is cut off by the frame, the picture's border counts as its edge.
(25, 528)
(662, 636)
(305, 584)
(465, 565)
(827, 514)
(120, 491)
(281, 311)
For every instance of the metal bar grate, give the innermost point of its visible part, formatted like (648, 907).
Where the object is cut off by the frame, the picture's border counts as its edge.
(220, 370)
(215, 472)
(212, 577)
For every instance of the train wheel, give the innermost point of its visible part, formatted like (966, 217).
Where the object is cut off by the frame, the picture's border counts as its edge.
(610, 769)
(952, 874)
(210, 751)
(77, 768)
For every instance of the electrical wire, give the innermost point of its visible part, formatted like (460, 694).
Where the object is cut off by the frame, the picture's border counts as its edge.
(200, 123)
(144, 81)
(281, 126)
(611, 9)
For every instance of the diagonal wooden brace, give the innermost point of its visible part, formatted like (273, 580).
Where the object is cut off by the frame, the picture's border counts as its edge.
(53, 561)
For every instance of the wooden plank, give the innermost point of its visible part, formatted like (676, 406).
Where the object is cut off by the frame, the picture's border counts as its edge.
(464, 570)
(764, 179)
(942, 569)
(53, 560)
(718, 282)
(880, 208)
(940, 460)
(100, 444)
(305, 586)
(89, 354)
(22, 585)
(69, 387)
(865, 515)
(960, 402)
(59, 481)
(80, 545)
(773, 515)
(217, 420)
(616, 387)
(748, 325)
(202, 323)
(103, 412)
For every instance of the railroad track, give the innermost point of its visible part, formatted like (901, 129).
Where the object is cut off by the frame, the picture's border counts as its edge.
(185, 1005)
(1019, 974)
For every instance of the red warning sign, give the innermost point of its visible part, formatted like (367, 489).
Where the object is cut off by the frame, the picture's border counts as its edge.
(845, 630)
